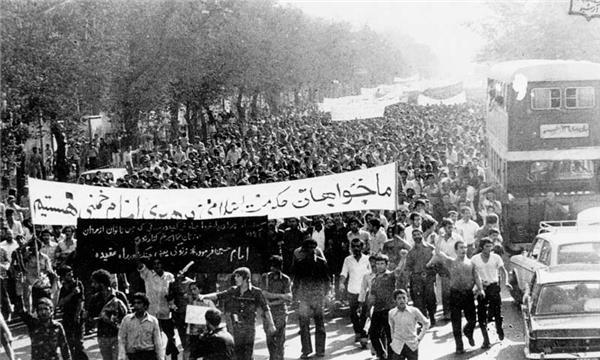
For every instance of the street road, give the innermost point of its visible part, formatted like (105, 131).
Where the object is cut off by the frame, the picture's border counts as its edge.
(438, 344)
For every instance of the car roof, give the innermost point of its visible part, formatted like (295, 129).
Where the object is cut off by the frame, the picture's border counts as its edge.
(568, 273)
(572, 235)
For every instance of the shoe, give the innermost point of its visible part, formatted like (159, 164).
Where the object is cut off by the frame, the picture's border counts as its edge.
(459, 351)
(501, 334)
(320, 354)
(305, 356)
(486, 345)
(357, 337)
(471, 340)
(364, 342)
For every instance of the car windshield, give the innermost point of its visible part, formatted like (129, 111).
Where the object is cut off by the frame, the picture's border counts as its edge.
(584, 252)
(569, 298)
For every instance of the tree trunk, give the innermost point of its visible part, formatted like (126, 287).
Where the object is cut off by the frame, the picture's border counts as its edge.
(239, 106)
(174, 112)
(254, 105)
(273, 99)
(61, 170)
(297, 99)
(211, 120)
(190, 124)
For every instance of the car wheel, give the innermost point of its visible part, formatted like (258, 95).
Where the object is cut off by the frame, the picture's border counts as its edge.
(516, 292)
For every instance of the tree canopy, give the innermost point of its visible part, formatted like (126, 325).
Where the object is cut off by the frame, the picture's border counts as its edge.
(538, 30)
(63, 59)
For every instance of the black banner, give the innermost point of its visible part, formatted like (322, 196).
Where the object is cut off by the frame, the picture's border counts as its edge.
(215, 246)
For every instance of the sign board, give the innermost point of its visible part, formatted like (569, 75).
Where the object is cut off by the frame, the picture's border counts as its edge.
(215, 246)
(559, 131)
(587, 8)
(56, 203)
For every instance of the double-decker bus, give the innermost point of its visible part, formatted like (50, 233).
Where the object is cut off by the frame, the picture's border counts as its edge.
(543, 137)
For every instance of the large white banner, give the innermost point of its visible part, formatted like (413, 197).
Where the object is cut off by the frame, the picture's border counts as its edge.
(56, 203)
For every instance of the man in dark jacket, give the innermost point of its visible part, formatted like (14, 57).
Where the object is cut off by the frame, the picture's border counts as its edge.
(216, 343)
(311, 285)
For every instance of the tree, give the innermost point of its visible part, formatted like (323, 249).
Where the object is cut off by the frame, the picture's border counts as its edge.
(537, 30)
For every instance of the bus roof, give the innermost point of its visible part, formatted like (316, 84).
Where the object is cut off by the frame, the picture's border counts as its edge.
(545, 70)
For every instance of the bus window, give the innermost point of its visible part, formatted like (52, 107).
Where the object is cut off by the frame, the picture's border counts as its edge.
(543, 98)
(576, 98)
(561, 170)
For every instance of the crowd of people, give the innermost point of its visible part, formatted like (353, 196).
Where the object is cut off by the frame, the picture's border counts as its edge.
(446, 234)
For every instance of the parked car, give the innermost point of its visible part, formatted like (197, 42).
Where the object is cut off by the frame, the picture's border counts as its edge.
(112, 174)
(561, 311)
(566, 243)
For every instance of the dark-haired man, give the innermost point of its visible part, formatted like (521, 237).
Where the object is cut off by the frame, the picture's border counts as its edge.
(216, 343)
(403, 320)
(139, 333)
(421, 276)
(310, 287)
(354, 269)
(278, 292)
(46, 334)
(71, 300)
(242, 301)
(463, 277)
(108, 308)
(490, 268)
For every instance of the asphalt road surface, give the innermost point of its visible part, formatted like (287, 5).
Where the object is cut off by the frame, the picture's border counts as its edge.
(438, 344)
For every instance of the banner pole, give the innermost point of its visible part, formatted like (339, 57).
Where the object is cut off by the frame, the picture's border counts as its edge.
(35, 243)
(396, 189)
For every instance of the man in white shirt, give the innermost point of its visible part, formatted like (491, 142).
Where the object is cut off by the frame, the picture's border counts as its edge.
(446, 243)
(355, 267)
(491, 270)
(467, 228)
(378, 236)
(157, 286)
(403, 321)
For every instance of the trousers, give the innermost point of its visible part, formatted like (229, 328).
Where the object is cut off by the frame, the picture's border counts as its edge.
(276, 341)
(405, 354)
(423, 295)
(462, 301)
(490, 306)
(358, 319)
(243, 337)
(306, 310)
(380, 333)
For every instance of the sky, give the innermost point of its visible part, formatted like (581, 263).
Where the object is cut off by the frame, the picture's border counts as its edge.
(440, 24)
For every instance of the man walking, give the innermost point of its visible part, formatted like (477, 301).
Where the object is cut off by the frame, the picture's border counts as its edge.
(278, 292)
(310, 288)
(490, 268)
(355, 267)
(108, 308)
(421, 276)
(46, 334)
(139, 333)
(463, 277)
(71, 299)
(243, 299)
(403, 320)
(157, 289)
(382, 300)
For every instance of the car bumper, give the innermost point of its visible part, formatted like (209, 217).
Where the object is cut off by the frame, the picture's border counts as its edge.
(578, 355)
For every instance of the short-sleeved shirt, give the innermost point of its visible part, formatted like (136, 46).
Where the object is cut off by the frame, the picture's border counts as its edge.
(354, 270)
(244, 305)
(488, 271)
(277, 283)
